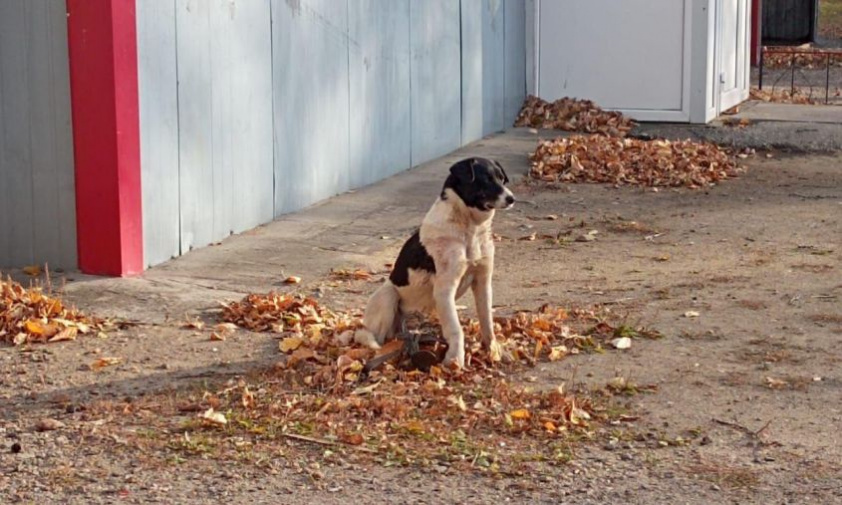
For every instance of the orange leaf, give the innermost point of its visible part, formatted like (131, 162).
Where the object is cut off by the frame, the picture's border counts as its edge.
(520, 414)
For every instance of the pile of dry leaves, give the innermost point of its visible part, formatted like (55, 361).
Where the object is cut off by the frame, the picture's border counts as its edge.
(322, 394)
(631, 161)
(798, 96)
(574, 115)
(804, 58)
(28, 315)
(284, 313)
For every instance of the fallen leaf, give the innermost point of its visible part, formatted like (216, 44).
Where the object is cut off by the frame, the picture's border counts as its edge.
(579, 416)
(226, 327)
(776, 383)
(217, 337)
(292, 279)
(290, 344)
(195, 324)
(34, 327)
(520, 414)
(105, 362)
(691, 313)
(33, 270)
(353, 439)
(48, 424)
(214, 418)
(247, 399)
(558, 352)
(65, 334)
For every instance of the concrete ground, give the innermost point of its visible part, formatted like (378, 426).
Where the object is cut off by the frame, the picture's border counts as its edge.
(789, 113)
(786, 127)
(750, 386)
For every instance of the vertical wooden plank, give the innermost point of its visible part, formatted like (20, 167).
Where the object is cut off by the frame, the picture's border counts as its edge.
(17, 191)
(195, 151)
(515, 60)
(158, 96)
(5, 211)
(222, 35)
(435, 87)
(37, 199)
(241, 84)
(63, 137)
(379, 89)
(310, 102)
(44, 202)
(483, 68)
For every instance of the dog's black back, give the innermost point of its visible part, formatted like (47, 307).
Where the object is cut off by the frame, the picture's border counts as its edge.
(413, 255)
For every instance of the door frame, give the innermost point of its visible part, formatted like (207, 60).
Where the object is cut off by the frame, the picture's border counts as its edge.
(740, 93)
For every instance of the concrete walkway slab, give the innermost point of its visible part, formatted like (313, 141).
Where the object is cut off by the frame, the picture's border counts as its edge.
(788, 112)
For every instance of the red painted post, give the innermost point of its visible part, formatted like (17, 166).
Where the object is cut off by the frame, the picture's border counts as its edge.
(756, 31)
(106, 135)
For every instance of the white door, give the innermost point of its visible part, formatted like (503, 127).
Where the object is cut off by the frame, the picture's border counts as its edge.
(629, 55)
(733, 34)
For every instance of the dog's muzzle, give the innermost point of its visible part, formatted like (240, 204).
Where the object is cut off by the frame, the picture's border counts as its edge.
(506, 200)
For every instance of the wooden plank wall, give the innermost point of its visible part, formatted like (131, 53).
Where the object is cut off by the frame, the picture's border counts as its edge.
(310, 66)
(379, 84)
(37, 196)
(435, 85)
(255, 108)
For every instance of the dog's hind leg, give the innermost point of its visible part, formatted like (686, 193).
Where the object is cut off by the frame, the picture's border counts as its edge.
(381, 316)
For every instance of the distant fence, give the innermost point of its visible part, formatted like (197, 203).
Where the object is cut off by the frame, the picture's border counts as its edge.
(254, 108)
(799, 69)
(789, 21)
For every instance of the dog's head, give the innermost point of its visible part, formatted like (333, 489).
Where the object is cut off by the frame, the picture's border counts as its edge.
(480, 183)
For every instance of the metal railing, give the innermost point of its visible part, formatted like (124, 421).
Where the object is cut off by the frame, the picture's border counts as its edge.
(811, 55)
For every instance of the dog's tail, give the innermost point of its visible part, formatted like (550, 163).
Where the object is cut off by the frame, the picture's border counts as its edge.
(380, 315)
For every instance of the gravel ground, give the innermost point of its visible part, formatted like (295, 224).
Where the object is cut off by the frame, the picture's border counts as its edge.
(747, 402)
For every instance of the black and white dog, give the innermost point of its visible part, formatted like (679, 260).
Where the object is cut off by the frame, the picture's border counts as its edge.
(452, 251)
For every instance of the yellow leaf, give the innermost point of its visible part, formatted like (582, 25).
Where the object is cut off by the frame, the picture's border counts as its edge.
(65, 334)
(34, 327)
(520, 414)
(549, 426)
(32, 270)
(558, 352)
(290, 344)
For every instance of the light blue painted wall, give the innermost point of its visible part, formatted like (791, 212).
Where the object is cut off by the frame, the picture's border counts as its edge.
(254, 108)
(37, 195)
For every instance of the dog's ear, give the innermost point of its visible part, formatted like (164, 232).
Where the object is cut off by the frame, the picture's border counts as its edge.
(505, 176)
(464, 171)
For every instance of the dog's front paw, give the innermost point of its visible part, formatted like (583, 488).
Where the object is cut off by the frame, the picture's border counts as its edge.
(455, 358)
(495, 350)
(366, 339)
